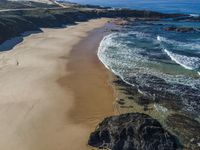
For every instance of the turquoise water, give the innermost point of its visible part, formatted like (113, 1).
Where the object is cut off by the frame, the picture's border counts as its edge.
(167, 6)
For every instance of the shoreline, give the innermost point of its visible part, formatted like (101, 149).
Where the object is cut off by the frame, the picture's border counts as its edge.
(38, 110)
(130, 99)
(52, 85)
(88, 79)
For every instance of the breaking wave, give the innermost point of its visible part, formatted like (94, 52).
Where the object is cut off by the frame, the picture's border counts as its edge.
(191, 63)
(141, 62)
(190, 46)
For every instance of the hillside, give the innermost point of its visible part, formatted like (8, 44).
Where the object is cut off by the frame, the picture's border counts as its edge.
(15, 22)
(38, 1)
(24, 4)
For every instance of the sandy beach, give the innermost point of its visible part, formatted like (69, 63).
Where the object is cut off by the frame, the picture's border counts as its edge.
(44, 103)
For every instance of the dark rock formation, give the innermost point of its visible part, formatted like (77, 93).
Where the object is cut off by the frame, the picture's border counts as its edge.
(187, 18)
(132, 131)
(171, 95)
(186, 128)
(181, 29)
(13, 23)
(4, 4)
(11, 26)
(156, 90)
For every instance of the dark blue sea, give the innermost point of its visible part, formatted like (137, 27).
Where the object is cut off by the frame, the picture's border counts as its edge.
(167, 6)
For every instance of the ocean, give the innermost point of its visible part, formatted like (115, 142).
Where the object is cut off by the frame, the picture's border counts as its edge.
(160, 63)
(166, 6)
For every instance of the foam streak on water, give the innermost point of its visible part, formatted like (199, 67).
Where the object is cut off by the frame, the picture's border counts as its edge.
(155, 64)
(190, 46)
(190, 63)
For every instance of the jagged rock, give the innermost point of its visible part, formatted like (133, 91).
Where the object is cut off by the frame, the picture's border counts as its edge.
(133, 131)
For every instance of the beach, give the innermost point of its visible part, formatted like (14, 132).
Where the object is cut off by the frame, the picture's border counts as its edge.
(69, 81)
(44, 101)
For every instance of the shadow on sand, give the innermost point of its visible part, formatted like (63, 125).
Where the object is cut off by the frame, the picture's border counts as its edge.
(9, 44)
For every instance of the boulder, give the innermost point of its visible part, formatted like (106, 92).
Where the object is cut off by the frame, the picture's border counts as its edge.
(132, 131)
(181, 29)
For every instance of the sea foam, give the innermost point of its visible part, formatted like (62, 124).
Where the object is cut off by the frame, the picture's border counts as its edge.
(193, 45)
(190, 63)
(106, 42)
(194, 15)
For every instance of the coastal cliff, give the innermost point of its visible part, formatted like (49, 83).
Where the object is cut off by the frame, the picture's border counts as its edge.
(15, 22)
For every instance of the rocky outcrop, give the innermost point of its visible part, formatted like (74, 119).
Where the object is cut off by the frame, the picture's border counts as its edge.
(11, 26)
(176, 96)
(133, 131)
(149, 90)
(181, 29)
(188, 18)
(12, 23)
(5, 4)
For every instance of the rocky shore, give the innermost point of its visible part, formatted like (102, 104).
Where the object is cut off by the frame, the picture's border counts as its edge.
(13, 23)
(134, 130)
(4, 4)
(182, 29)
(166, 109)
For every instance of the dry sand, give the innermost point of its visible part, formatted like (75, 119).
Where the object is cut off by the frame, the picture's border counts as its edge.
(43, 102)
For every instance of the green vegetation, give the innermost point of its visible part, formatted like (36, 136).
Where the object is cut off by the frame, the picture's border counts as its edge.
(13, 23)
(4, 4)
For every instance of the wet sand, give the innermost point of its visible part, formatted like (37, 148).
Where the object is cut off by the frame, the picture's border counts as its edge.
(89, 80)
(54, 90)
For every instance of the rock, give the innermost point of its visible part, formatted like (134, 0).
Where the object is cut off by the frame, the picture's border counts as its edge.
(5, 4)
(186, 128)
(11, 26)
(187, 18)
(150, 89)
(14, 23)
(171, 95)
(121, 22)
(142, 100)
(114, 30)
(133, 131)
(180, 29)
(121, 102)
